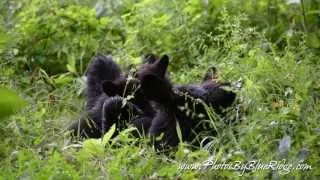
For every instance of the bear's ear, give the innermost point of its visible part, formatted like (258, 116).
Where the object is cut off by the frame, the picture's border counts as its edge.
(156, 88)
(149, 59)
(162, 65)
(211, 74)
(111, 88)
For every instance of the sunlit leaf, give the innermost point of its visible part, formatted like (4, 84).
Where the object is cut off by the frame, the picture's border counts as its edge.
(109, 134)
(93, 147)
(178, 129)
(10, 102)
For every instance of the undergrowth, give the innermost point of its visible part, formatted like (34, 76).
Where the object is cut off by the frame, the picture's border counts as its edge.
(265, 49)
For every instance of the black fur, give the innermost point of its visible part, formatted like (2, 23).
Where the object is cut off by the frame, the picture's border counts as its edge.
(102, 68)
(155, 106)
(108, 102)
(171, 100)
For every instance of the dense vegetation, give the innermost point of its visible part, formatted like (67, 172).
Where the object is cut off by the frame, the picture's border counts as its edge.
(269, 50)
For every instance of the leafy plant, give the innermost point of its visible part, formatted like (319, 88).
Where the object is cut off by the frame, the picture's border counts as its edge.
(58, 38)
(10, 102)
(268, 50)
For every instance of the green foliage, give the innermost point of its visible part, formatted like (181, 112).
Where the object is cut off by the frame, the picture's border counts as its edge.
(10, 102)
(269, 50)
(58, 37)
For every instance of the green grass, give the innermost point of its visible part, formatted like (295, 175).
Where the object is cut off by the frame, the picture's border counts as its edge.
(274, 64)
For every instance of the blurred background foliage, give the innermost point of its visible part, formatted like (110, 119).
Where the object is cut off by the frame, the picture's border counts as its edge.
(269, 48)
(59, 34)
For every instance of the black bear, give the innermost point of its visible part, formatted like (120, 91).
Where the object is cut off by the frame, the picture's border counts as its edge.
(183, 105)
(112, 94)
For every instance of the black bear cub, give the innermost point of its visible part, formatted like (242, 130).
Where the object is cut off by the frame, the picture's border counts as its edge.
(149, 101)
(183, 105)
(113, 98)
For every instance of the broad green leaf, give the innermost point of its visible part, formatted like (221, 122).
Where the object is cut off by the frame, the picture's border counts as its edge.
(10, 102)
